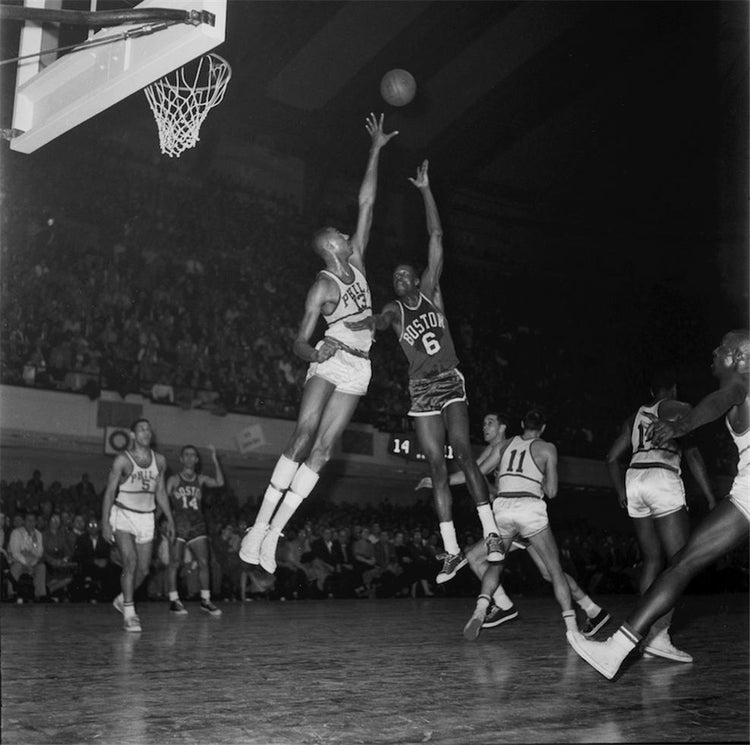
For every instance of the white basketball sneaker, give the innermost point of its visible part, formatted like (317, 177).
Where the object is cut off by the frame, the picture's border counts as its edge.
(605, 657)
(268, 550)
(660, 645)
(250, 546)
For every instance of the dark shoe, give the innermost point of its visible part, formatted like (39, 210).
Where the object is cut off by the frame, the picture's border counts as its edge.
(176, 607)
(593, 625)
(451, 564)
(495, 616)
(210, 608)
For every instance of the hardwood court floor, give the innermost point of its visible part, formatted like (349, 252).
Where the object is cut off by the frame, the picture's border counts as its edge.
(360, 671)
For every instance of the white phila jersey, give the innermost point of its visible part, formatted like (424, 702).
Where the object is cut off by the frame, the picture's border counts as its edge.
(355, 304)
(138, 491)
(742, 442)
(518, 475)
(646, 454)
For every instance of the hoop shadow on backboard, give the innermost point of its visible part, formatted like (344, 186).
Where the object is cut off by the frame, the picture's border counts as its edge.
(112, 64)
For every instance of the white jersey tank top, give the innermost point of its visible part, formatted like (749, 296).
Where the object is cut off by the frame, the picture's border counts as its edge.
(518, 475)
(645, 452)
(742, 441)
(138, 491)
(355, 304)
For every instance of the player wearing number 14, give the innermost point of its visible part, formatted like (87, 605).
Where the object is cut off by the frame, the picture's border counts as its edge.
(185, 490)
(436, 387)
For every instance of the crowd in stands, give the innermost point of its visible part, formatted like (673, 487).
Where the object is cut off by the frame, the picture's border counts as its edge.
(52, 550)
(189, 292)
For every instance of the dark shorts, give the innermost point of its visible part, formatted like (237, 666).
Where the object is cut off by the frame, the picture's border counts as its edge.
(429, 396)
(188, 526)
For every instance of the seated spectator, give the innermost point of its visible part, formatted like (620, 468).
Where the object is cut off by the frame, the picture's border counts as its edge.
(58, 556)
(26, 552)
(96, 578)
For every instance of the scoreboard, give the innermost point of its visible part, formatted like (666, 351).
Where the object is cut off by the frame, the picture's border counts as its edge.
(407, 446)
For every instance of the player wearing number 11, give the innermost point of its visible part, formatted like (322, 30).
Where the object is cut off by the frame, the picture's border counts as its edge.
(436, 387)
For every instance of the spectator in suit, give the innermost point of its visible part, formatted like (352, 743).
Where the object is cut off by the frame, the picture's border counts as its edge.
(58, 556)
(96, 576)
(26, 552)
(324, 561)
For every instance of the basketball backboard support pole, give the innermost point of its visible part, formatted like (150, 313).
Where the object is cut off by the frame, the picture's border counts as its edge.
(88, 80)
(35, 38)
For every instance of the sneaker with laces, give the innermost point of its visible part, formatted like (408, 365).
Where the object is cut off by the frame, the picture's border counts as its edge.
(118, 605)
(268, 550)
(593, 625)
(474, 625)
(605, 657)
(250, 546)
(660, 645)
(176, 607)
(495, 552)
(209, 607)
(451, 564)
(132, 624)
(496, 615)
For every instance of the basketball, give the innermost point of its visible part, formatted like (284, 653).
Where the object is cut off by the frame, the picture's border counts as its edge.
(398, 87)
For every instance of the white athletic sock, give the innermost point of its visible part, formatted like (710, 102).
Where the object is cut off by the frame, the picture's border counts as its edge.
(206, 595)
(487, 519)
(304, 482)
(589, 607)
(450, 542)
(128, 610)
(281, 478)
(173, 595)
(502, 601)
(569, 616)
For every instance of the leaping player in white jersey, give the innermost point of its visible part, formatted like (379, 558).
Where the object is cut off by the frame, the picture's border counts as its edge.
(134, 487)
(339, 371)
(653, 492)
(725, 527)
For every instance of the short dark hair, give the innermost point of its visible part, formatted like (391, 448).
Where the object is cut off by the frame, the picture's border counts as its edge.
(534, 419)
(137, 422)
(189, 447)
(501, 418)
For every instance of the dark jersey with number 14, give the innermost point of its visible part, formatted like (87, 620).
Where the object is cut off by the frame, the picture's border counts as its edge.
(426, 339)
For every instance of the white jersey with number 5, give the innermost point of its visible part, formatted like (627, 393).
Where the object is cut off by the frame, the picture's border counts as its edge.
(518, 475)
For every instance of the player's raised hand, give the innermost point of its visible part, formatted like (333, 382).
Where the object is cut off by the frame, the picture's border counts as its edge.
(374, 127)
(422, 180)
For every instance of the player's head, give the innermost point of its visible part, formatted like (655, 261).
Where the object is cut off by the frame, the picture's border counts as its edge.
(733, 354)
(189, 456)
(493, 425)
(534, 421)
(405, 280)
(664, 383)
(141, 431)
(329, 241)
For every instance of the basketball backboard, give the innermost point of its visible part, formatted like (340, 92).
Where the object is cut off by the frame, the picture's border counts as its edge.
(112, 64)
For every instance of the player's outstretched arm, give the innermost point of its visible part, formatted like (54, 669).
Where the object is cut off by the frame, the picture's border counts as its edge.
(430, 281)
(218, 479)
(378, 321)
(369, 187)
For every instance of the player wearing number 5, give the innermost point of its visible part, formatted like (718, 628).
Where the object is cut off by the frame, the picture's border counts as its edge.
(436, 387)
(185, 490)
(654, 495)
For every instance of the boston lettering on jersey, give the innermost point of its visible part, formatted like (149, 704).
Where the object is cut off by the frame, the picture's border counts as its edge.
(417, 329)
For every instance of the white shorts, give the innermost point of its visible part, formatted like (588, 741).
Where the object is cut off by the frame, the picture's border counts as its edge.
(349, 373)
(140, 524)
(739, 494)
(653, 492)
(524, 516)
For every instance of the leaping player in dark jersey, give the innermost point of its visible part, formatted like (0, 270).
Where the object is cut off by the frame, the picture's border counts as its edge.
(185, 490)
(339, 371)
(436, 387)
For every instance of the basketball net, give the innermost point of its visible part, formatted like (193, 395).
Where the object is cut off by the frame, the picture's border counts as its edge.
(181, 101)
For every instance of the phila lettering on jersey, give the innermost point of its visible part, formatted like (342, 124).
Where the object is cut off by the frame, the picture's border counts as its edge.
(355, 304)
(138, 491)
(645, 452)
(426, 339)
(518, 475)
